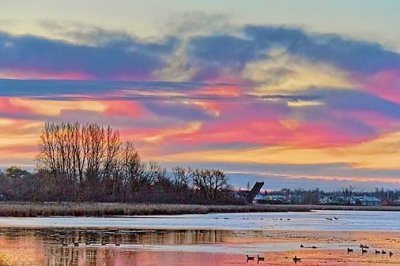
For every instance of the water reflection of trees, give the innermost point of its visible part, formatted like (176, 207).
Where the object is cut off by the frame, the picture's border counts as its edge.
(47, 244)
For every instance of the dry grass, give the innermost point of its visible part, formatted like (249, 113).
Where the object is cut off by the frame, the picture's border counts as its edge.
(20, 209)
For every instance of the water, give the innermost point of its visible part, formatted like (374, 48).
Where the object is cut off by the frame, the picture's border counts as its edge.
(316, 220)
(211, 239)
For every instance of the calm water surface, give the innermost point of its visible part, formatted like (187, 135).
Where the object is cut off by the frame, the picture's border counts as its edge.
(212, 239)
(316, 220)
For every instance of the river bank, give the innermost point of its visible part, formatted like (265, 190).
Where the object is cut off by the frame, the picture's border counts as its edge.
(27, 209)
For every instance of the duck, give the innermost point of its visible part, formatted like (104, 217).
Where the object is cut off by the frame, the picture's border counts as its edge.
(377, 252)
(363, 251)
(301, 245)
(259, 258)
(383, 252)
(249, 257)
(390, 253)
(296, 259)
(349, 250)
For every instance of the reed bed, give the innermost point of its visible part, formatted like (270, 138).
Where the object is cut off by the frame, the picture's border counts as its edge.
(19, 209)
(28, 209)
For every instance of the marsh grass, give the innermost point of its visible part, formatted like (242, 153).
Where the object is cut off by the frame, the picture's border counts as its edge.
(28, 209)
(19, 209)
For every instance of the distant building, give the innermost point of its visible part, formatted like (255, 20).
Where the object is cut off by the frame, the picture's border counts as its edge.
(261, 198)
(354, 200)
(365, 201)
(278, 199)
(396, 202)
(335, 200)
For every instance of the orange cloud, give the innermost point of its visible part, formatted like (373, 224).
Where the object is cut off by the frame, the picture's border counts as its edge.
(380, 153)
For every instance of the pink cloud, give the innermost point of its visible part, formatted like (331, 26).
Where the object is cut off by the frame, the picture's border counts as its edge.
(26, 74)
(7, 106)
(124, 109)
(384, 84)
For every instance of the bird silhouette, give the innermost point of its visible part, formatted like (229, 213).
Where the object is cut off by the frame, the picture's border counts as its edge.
(296, 259)
(363, 251)
(349, 250)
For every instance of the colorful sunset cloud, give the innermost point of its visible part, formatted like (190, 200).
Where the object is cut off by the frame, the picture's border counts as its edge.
(279, 103)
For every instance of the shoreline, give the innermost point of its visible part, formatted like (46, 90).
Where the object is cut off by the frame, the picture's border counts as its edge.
(224, 247)
(28, 209)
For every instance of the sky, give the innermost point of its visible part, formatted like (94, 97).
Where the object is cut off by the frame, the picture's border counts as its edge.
(297, 94)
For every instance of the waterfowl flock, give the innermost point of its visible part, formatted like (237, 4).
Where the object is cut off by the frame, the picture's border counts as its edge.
(64, 243)
(253, 258)
(364, 249)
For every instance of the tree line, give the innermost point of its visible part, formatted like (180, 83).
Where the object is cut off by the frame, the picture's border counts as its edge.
(91, 163)
(342, 196)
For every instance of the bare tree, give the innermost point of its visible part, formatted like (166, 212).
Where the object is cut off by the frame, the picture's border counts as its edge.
(131, 166)
(90, 162)
(182, 177)
(86, 155)
(210, 182)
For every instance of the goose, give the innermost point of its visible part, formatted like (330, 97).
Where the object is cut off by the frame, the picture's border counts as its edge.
(390, 253)
(259, 258)
(301, 245)
(363, 251)
(330, 219)
(296, 259)
(335, 218)
(349, 250)
(383, 252)
(249, 257)
(377, 252)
